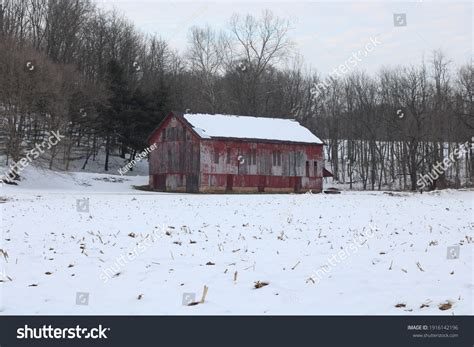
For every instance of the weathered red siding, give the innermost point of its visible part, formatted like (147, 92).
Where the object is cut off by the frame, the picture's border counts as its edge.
(183, 161)
(249, 175)
(175, 163)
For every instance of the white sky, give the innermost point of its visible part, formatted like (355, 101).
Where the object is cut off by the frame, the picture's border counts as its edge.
(326, 33)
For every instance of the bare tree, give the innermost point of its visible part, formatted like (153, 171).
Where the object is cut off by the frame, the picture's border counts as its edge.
(259, 44)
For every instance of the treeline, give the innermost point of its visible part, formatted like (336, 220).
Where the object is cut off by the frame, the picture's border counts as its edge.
(398, 125)
(70, 66)
(67, 65)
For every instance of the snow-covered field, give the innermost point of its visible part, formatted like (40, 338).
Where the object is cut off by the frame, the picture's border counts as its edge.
(137, 252)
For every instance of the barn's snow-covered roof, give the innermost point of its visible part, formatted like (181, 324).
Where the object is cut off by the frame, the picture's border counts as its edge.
(245, 127)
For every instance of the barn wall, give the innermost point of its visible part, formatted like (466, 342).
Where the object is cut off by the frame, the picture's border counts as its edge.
(257, 172)
(174, 164)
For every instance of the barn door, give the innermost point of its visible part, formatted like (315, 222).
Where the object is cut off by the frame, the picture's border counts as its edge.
(159, 182)
(230, 182)
(297, 184)
(192, 183)
(261, 183)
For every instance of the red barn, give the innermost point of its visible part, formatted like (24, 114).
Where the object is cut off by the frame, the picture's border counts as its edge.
(224, 153)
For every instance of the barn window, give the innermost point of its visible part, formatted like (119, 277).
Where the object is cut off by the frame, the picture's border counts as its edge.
(315, 168)
(228, 156)
(216, 156)
(307, 168)
(276, 158)
(254, 156)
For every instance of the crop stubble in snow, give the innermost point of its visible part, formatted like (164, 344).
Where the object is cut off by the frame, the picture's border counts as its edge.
(282, 240)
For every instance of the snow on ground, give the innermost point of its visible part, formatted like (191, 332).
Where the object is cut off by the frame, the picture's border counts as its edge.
(96, 165)
(156, 247)
(95, 180)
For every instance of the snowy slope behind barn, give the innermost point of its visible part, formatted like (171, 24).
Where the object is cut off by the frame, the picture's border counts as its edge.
(245, 127)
